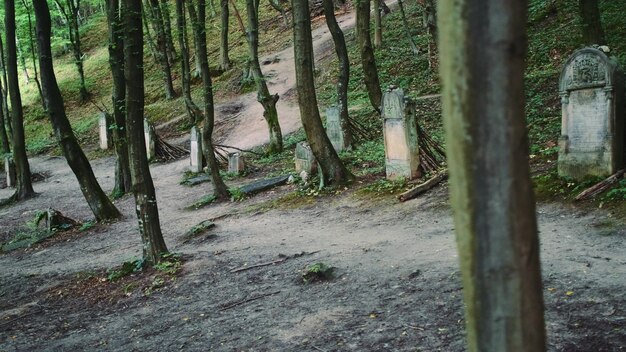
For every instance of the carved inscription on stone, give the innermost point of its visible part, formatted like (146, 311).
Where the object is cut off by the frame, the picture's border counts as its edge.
(587, 70)
(588, 130)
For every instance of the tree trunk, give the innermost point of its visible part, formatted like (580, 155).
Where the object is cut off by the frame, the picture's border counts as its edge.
(5, 92)
(31, 43)
(490, 188)
(591, 21)
(370, 72)
(267, 100)
(276, 5)
(4, 138)
(20, 56)
(407, 29)
(224, 59)
(156, 19)
(378, 26)
(24, 186)
(123, 182)
(199, 30)
(344, 70)
(70, 12)
(430, 23)
(143, 188)
(192, 109)
(100, 205)
(167, 21)
(333, 170)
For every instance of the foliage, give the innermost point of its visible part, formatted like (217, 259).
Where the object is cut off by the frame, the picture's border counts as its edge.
(317, 272)
(126, 269)
(87, 225)
(618, 192)
(203, 202)
(236, 195)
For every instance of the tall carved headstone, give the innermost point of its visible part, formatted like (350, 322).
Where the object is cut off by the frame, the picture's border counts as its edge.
(305, 160)
(9, 169)
(400, 132)
(235, 163)
(149, 135)
(333, 128)
(592, 123)
(105, 133)
(195, 150)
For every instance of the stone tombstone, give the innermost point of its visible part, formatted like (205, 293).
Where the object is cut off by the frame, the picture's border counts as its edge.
(235, 163)
(305, 160)
(592, 121)
(333, 128)
(149, 135)
(195, 150)
(9, 169)
(400, 133)
(105, 132)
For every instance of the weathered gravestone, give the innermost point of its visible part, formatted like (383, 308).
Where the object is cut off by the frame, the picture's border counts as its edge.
(105, 132)
(149, 135)
(9, 169)
(592, 123)
(305, 160)
(334, 130)
(196, 150)
(400, 132)
(235, 163)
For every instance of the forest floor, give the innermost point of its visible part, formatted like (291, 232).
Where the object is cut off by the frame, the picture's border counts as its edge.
(396, 284)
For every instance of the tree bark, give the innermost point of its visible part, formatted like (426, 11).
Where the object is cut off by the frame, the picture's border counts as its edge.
(167, 21)
(5, 92)
(368, 61)
(156, 19)
(70, 13)
(143, 187)
(4, 137)
(333, 170)
(220, 189)
(31, 42)
(224, 59)
(592, 22)
(192, 109)
(407, 29)
(482, 51)
(378, 26)
(123, 182)
(100, 205)
(24, 186)
(344, 70)
(267, 100)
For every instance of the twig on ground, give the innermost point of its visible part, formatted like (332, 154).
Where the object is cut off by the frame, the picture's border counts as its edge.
(423, 187)
(247, 300)
(277, 261)
(601, 186)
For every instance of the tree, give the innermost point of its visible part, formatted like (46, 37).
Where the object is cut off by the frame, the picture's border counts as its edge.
(167, 21)
(5, 90)
(370, 72)
(143, 188)
(267, 100)
(192, 109)
(591, 21)
(24, 186)
(123, 180)
(378, 26)
(333, 170)
(100, 205)
(33, 54)
(224, 59)
(344, 69)
(70, 11)
(199, 30)
(155, 17)
(490, 188)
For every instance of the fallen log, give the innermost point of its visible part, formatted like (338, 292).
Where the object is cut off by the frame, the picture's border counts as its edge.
(423, 187)
(600, 186)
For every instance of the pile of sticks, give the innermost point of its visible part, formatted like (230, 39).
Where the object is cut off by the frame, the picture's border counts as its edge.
(432, 155)
(164, 152)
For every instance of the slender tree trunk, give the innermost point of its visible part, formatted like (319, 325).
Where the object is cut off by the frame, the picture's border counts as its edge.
(5, 92)
(490, 188)
(344, 69)
(24, 186)
(100, 205)
(167, 21)
(192, 109)
(224, 59)
(430, 23)
(199, 29)
(276, 5)
(242, 27)
(592, 23)
(4, 138)
(156, 19)
(31, 42)
(407, 29)
(143, 187)
(70, 12)
(267, 100)
(333, 170)
(378, 26)
(22, 59)
(370, 71)
(123, 182)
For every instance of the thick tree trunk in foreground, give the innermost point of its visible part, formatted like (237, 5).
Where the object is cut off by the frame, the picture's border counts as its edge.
(490, 188)
(267, 100)
(370, 72)
(224, 59)
(123, 183)
(592, 23)
(220, 189)
(24, 186)
(192, 109)
(143, 188)
(344, 69)
(100, 205)
(333, 170)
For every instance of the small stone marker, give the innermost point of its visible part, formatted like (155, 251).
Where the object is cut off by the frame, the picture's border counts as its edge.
(9, 169)
(235, 163)
(148, 132)
(196, 150)
(334, 130)
(592, 123)
(105, 133)
(305, 160)
(400, 132)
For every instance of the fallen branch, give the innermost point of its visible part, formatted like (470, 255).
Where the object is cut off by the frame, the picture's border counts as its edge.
(237, 149)
(423, 187)
(280, 260)
(600, 186)
(247, 300)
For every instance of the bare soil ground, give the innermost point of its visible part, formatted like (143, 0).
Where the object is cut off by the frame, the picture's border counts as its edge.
(396, 287)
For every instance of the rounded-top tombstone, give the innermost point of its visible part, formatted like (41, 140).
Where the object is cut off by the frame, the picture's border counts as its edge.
(592, 122)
